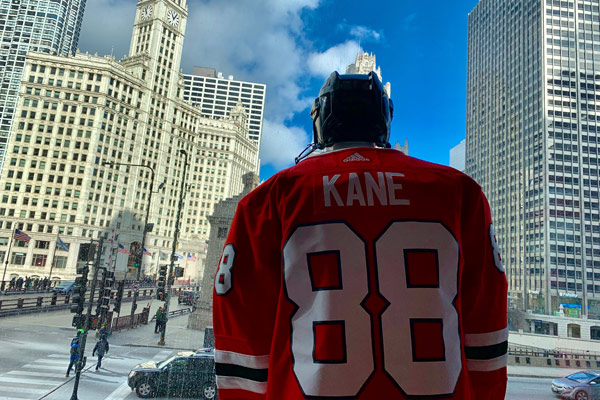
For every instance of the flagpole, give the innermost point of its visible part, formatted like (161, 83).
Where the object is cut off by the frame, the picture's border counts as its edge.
(12, 238)
(53, 258)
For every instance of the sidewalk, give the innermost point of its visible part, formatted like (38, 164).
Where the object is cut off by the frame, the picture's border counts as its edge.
(177, 335)
(540, 372)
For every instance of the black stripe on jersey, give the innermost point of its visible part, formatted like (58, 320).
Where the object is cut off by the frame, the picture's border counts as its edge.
(486, 352)
(253, 374)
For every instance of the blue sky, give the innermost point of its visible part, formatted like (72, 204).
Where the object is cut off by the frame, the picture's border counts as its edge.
(292, 45)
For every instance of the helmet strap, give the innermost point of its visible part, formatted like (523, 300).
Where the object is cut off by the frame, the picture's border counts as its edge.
(308, 150)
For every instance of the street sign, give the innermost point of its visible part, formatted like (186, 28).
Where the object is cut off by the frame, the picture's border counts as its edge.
(135, 288)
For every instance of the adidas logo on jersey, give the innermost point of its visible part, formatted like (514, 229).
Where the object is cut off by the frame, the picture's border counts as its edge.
(355, 157)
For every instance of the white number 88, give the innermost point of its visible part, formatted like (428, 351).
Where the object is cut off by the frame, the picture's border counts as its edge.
(407, 304)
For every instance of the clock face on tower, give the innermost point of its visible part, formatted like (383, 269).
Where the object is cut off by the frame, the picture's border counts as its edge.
(146, 13)
(173, 18)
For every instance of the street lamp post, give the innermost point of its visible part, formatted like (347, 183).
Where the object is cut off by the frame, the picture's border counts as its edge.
(140, 256)
(170, 276)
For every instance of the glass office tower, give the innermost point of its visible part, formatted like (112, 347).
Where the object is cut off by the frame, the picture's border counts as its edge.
(533, 126)
(46, 26)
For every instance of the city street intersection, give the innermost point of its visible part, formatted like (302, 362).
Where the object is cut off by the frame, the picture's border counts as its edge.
(34, 350)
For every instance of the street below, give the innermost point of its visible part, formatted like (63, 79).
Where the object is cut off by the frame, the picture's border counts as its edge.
(34, 350)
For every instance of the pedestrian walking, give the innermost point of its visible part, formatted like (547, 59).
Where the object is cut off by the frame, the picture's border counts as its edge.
(100, 349)
(159, 318)
(74, 354)
(103, 332)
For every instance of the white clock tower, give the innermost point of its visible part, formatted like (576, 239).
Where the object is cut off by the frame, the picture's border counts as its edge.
(158, 32)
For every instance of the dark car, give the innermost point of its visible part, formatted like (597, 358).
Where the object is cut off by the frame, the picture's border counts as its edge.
(186, 374)
(63, 287)
(187, 297)
(583, 385)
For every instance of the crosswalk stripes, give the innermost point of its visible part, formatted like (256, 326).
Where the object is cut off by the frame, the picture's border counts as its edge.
(34, 379)
(45, 375)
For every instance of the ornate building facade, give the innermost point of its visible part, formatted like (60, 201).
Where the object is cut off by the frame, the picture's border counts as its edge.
(77, 113)
(45, 26)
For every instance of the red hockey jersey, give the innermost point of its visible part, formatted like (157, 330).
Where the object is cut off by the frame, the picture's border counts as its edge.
(361, 273)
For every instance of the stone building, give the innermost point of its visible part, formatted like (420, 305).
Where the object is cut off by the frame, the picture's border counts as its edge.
(76, 113)
(220, 221)
(44, 26)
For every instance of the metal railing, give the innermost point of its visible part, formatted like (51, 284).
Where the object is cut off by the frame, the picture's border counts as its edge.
(530, 351)
(55, 302)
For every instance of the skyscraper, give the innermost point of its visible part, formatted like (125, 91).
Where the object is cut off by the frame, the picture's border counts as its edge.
(215, 95)
(457, 156)
(533, 128)
(44, 26)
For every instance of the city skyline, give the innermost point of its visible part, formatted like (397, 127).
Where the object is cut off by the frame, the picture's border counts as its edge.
(293, 46)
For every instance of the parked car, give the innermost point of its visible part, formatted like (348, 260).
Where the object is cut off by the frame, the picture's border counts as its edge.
(186, 374)
(187, 297)
(64, 287)
(583, 385)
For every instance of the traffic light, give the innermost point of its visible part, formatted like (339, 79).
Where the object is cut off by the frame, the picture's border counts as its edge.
(118, 297)
(160, 284)
(85, 252)
(109, 279)
(78, 321)
(178, 272)
(104, 291)
(78, 299)
(103, 301)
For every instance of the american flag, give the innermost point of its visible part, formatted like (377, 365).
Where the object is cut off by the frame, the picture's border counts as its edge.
(122, 249)
(147, 253)
(191, 257)
(22, 236)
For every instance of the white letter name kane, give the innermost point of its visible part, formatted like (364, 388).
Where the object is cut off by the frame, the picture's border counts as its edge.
(382, 190)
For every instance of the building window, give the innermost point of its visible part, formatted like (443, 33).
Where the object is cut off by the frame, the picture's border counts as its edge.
(42, 244)
(18, 258)
(60, 262)
(39, 260)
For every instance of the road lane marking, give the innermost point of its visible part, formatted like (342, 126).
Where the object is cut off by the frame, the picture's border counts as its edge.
(35, 373)
(10, 379)
(20, 390)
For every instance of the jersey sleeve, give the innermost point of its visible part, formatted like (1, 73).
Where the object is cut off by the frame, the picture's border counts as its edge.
(246, 290)
(483, 301)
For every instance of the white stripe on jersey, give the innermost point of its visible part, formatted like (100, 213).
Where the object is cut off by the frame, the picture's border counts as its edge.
(243, 360)
(487, 365)
(229, 382)
(486, 339)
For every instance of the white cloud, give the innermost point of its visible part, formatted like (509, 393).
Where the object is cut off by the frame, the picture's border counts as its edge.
(258, 41)
(364, 34)
(335, 58)
(281, 144)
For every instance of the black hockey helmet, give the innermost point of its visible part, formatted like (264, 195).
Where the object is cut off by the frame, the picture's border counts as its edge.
(352, 108)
